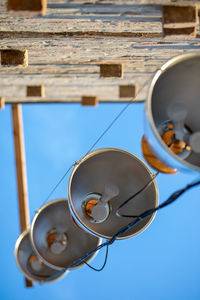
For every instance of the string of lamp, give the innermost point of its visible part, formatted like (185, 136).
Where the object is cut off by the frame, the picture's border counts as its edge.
(67, 233)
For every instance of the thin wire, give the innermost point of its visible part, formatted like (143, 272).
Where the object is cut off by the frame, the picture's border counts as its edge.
(58, 183)
(117, 117)
(141, 217)
(144, 188)
(99, 138)
(104, 264)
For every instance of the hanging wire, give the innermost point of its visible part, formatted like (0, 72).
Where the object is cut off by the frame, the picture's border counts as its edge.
(117, 117)
(139, 218)
(58, 183)
(99, 138)
(76, 163)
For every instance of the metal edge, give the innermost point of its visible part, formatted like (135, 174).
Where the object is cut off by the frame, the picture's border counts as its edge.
(19, 240)
(100, 151)
(35, 249)
(148, 110)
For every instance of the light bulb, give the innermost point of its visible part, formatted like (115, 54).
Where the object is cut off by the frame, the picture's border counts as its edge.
(36, 263)
(100, 210)
(110, 191)
(97, 207)
(177, 113)
(57, 241)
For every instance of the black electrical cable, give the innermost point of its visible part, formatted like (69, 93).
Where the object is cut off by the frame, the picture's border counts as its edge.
(99, 138)
(144, 188)
(139, 218)
(104, 264)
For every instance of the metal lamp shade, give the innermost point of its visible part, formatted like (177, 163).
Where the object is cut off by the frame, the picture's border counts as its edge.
(177, 81)
(23, 251)
(56, 214)
(128, 173)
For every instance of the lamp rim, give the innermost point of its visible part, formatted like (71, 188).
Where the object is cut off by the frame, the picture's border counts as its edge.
(48, 204)
(17, 244)
(148, 107)
(102, 150)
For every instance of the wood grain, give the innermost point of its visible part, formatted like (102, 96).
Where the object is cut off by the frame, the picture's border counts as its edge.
(21, 171)
(75, 38)
(2, 103)
(20, 167)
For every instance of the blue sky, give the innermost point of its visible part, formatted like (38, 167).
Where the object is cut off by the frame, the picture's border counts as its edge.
(161, 263)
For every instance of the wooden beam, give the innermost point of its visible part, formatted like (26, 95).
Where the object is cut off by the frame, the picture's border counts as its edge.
(21, 170)
(2, 103)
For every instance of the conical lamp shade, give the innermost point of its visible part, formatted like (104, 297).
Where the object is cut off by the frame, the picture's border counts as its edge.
(34, 270)
(55, 217)
(110, 167)
(172, 126)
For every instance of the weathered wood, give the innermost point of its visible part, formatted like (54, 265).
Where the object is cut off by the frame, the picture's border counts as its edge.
(70, 88)
(35, 91)
(21, 171)
(63, 56)
(14, 57)
(33, 5)
(75, 37)
(127, 91)
(89, 101)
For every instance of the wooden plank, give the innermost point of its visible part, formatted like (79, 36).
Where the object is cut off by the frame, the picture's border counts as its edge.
(21, 171)
(71, 89)
(14, 57)
(20, 166)
(2, 103)
(28, 5)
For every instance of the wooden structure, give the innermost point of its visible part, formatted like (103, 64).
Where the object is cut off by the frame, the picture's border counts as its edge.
(21, 170)
(92, 47)
(86, 51)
